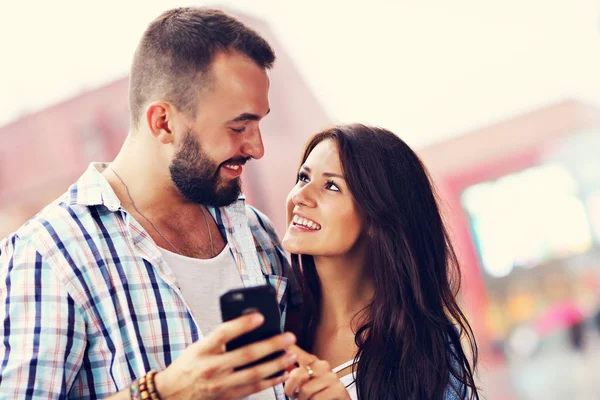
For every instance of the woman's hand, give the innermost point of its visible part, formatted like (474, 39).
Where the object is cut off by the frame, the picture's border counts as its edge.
(313, 379)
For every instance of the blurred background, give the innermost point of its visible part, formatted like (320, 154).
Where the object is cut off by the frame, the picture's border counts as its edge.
(500, 99)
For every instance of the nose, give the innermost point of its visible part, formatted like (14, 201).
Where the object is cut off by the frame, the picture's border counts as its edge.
(253, 146)
(303, 196)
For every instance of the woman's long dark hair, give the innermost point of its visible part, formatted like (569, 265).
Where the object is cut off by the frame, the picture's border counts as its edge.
(410, 345)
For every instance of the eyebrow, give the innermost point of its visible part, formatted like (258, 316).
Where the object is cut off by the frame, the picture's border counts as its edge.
(248, 117)
(327, 174)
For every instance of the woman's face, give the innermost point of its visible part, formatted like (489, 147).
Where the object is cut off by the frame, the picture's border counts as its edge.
(322, 216)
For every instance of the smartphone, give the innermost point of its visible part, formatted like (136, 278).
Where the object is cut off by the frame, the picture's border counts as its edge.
(262, 299)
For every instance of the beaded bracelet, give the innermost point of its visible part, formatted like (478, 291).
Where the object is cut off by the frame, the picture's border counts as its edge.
(144, 388)
(134, 390)
(147, 388)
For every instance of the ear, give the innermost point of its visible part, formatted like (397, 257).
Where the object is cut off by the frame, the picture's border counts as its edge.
(159, 118)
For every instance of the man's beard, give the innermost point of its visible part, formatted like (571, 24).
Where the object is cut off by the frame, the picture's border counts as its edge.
(197, 176)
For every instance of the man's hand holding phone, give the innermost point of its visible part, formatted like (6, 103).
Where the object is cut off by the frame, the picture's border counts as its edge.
(205, 370)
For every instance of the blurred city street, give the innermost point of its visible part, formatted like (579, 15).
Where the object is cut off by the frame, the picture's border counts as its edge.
(553, 372)
(556, 372)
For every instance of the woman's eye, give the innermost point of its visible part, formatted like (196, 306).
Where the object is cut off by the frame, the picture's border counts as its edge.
(332, 186)
(238, 130)
(302, 177)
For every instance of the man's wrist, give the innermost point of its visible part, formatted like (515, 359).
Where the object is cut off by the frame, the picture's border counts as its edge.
(163, 387)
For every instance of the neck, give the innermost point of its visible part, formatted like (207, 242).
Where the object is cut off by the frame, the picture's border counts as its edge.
(346, 289)
(148, 181)
(141, 180)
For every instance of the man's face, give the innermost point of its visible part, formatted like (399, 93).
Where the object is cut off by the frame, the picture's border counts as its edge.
(225, 134)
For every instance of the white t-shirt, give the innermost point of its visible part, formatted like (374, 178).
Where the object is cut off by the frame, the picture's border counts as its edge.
(202, 282)
(348, 380)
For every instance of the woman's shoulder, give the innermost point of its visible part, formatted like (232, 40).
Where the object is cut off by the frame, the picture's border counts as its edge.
(456, 390)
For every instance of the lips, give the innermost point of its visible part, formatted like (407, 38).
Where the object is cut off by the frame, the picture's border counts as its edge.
(234, 166)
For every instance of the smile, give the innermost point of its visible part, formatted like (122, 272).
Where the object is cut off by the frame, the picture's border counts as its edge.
(232, 170)
(306, 223)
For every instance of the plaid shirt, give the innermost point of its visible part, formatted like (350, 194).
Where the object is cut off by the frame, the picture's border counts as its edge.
(88, 304)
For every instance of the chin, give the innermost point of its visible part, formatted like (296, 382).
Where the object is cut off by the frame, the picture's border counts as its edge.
(287, 245)
(291, 245)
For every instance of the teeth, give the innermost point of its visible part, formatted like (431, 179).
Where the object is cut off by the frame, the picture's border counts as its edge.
(305, 222)
(234, 167)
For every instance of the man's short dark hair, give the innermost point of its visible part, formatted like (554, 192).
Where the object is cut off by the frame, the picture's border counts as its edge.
(173, 58)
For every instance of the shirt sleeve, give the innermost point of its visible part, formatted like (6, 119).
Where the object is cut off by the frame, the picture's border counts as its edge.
(43, 332)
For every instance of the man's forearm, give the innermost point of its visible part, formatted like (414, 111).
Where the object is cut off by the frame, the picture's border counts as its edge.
(122, 395)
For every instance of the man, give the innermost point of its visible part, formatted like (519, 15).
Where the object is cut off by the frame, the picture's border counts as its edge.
(121, 275)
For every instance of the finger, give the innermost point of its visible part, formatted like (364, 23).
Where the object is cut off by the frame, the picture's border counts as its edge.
(298, 377)
(293, 366)
(258, 372)
(255, 351)
(304, 358)
(316, 385)
(320, 367)
(246, 390)
(227, 331)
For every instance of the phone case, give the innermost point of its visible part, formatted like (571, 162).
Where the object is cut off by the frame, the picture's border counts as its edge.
(262, 299)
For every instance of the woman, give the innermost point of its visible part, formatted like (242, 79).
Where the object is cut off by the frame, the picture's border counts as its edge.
(378, 273)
